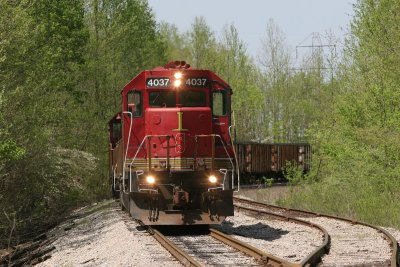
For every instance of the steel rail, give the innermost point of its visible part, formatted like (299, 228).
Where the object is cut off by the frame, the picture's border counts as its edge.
(315, 256)
(187, 260)
(265, 258)
(178, 253)
(395, 249)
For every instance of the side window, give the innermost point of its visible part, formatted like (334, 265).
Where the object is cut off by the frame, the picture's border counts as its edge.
(116, 131)
(219, 103)
(134, 100)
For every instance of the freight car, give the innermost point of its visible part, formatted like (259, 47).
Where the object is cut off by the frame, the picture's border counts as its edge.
(257, 159)
(171, 156)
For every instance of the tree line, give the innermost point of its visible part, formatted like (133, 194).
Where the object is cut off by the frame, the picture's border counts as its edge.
(63, 64)
(356, 168)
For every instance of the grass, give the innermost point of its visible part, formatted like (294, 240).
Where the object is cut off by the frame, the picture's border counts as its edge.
(368, 199)
(360, 202)
(268, 195)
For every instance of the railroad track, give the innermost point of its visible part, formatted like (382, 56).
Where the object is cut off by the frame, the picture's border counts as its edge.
(216, 248)
(339, 230)
(313, 258)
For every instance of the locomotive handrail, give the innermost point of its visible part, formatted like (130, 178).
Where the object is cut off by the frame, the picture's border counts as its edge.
(167, 136)
(234, 151)
(224, 172)
(223, 144)
(115, 178)
(127, 147)
(227, 87)
(138, 173)
(137, 152)
(141, 144)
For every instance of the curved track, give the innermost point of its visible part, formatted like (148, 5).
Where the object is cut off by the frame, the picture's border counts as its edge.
(216, 248)
(261, 207)
(193, 250)
(210, 249)
(314, 257)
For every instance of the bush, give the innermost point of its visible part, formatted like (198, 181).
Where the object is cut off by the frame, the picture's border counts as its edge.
(39, 189)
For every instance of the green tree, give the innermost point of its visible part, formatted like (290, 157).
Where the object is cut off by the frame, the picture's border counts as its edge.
(177, 44)
(276, 62)
(202, 43)
(40, 63)
(358, 144)
(124, 39)
(228, 58)
(233, 64)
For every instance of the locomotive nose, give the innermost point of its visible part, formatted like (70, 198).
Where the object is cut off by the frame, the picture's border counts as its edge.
(184, 126)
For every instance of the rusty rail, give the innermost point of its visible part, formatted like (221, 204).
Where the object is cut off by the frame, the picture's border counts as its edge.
(187, 260)
(178, 253)
(265, 258)
(314, 257)
(395, 257)
(184, 258)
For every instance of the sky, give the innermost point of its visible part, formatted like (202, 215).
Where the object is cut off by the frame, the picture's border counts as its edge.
(297, 19)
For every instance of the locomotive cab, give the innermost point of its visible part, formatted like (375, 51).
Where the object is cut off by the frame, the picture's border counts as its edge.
(177, 157)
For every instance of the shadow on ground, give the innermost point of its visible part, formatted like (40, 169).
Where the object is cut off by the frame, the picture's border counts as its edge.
(255, 231)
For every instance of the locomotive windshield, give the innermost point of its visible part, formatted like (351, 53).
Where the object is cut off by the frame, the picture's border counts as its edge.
(163, 99)
(192, 98)
(187, 98)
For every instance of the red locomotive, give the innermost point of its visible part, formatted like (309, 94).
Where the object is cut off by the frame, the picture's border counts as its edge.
(171, 153)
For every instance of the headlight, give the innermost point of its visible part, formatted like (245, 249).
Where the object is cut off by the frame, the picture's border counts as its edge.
(178, 75)
(212, 179)
(177, 83)
(150, 179)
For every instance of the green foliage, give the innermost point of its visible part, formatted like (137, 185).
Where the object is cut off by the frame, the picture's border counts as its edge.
(62, 66)
(123, 40)
(267, 181)
(294, 96)
(177, 46)
(10, 151)
(358, 144)
(293, 174)
(228, 58)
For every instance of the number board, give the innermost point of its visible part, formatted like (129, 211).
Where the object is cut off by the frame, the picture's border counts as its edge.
(157, 82)
(166, 82)
(196, 82)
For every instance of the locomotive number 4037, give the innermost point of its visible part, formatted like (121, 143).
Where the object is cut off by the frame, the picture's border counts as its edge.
(196, 82)
(166, 82)
(157, 82)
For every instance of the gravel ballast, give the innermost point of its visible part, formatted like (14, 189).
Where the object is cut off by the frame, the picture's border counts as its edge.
(290, 241)
(103, 235)
(352, 244)
(106, 237)
(211, 252)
